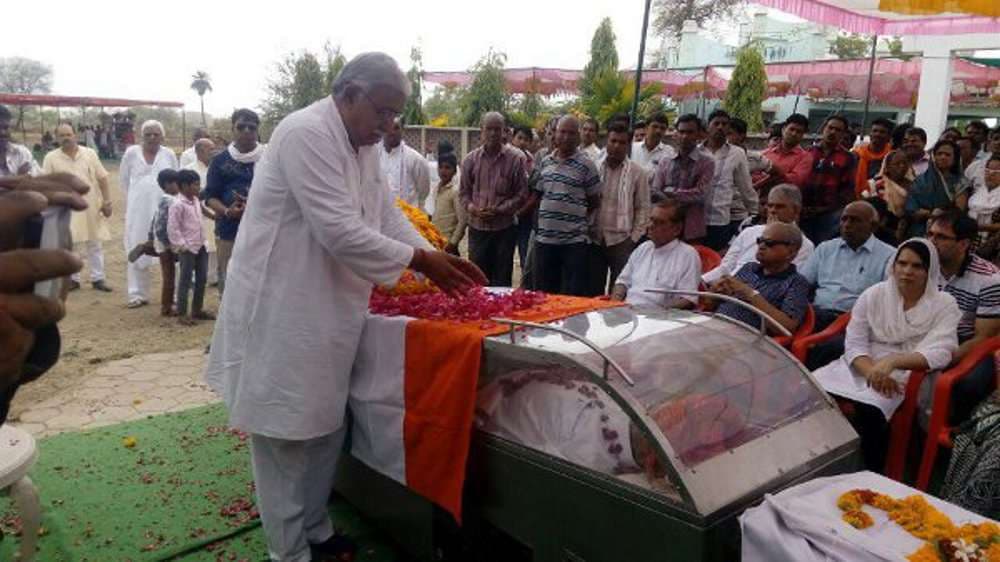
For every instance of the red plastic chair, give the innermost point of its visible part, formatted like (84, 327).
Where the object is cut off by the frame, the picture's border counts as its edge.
(938, 429)
(710, 259)
(805, 329)
(901, 424)
(801, 347)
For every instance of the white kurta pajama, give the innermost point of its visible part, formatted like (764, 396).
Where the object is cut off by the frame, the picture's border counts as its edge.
(320, 229)
(407, 173)
(142, 195)
(879, 327)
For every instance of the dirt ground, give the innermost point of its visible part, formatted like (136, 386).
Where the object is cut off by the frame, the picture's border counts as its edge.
(98, 328)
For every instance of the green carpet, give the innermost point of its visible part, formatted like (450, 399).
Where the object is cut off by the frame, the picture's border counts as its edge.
(182, 492)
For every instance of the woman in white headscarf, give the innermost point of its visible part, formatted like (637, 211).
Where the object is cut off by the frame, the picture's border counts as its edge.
(137, 173)
(899, 325)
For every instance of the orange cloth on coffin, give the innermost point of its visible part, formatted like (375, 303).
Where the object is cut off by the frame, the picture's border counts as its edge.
(441, 377)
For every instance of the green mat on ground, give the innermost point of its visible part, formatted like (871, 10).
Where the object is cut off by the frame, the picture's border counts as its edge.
(182, 492)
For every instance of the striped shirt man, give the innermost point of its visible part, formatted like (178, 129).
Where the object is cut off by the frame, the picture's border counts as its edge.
(564, 186)
(976, 288)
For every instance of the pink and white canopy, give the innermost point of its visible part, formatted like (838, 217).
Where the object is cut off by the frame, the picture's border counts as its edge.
(873, 17)
(894, 82)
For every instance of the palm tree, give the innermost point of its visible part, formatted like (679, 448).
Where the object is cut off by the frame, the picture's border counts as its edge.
(201, 82)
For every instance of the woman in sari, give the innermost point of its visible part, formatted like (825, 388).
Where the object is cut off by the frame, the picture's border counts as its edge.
(897, 326)
(887, 192)
(942, 185)
(984, 207)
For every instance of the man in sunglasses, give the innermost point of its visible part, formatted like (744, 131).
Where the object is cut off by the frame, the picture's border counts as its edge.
(227, 185)
(771, 284)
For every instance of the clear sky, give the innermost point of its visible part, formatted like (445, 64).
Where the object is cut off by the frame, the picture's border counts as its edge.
(149, 50)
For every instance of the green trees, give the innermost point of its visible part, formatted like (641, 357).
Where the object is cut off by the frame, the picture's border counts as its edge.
(488, 90)
(748, 88)
(298, 81)
(413, 113)
(201, 82)
(603, 57)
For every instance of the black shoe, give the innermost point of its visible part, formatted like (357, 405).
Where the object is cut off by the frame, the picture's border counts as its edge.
(74, 285)
(101, 286)
(338, 548)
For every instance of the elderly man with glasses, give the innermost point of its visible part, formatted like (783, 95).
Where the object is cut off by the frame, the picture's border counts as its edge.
(321, 230)
(771, 284)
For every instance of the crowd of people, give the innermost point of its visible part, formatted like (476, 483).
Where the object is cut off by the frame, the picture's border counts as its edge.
(902, 238)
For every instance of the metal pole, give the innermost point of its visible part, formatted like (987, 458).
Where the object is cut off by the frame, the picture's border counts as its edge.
(871, 73)
(184, 134)
(638, 68)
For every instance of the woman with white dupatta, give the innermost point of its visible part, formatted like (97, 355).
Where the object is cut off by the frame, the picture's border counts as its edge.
(137, 173)
(899, 325)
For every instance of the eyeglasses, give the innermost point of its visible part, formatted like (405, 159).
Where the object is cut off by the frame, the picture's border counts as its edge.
(937, 236)
(246, 127)
(384, 113)
(770, 243)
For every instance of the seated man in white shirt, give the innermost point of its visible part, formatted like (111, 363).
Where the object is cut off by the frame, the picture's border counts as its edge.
(662, 262)
(784, 203)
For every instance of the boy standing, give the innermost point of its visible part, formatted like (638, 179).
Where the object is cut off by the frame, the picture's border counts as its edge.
(449, 216)
(188, 241)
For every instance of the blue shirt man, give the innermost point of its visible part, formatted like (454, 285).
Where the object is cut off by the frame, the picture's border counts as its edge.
(841, 269)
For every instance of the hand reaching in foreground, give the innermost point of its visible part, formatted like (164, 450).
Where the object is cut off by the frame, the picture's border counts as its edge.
(22, 312)
(452, 274)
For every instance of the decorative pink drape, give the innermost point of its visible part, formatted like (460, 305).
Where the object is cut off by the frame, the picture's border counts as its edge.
(883, 23)
(895, 82)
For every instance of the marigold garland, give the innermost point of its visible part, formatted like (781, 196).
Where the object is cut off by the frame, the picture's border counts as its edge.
(409, 282)
(945, 542)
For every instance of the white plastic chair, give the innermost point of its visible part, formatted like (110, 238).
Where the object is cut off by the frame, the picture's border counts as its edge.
(17, 455)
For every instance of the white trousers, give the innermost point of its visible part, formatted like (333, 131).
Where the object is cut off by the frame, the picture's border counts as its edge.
(139, 279)
(92, 254)
(213, 268)
(294, 480)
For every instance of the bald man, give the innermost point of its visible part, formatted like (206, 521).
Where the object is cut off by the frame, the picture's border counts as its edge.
(842, 268)
(493, 188)
(770, 284)
(569, 186)
(204, 151)
(190, 154)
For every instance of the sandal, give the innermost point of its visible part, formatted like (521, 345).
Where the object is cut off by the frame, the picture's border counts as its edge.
(203, 315)
(338, 548)
(136, 303)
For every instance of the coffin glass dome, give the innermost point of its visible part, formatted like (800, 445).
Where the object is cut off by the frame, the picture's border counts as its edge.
(706, 405)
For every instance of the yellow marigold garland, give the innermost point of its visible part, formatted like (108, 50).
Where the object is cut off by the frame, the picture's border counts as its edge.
(977, 542)
(409, 283)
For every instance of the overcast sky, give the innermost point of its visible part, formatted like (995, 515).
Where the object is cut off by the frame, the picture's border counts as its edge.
(117, 48)
(149, 50)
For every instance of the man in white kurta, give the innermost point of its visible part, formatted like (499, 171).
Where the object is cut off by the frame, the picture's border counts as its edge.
(190, 154)
(320, 230)
(664, 262)
(137, 173)
(15, 159)
(89, 227)
(784, 204)
(404, 168)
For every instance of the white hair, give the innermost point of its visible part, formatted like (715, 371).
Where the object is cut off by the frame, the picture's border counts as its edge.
(787, 192)
(151, 124)
(371, 70)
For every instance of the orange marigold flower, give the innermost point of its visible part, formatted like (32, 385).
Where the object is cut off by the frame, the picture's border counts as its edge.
(927, 553)
(858, 519)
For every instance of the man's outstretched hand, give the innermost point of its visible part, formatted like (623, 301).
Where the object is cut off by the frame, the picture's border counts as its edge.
(451, 274)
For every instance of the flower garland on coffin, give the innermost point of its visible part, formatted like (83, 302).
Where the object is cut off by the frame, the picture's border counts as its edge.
(418, 297)
(945, 542)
